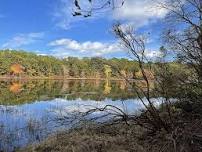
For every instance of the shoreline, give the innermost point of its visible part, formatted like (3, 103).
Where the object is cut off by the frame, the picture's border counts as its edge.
(120, 137)
(62, 78)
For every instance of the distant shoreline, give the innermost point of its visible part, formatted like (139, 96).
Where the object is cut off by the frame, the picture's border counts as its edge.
(59, 78)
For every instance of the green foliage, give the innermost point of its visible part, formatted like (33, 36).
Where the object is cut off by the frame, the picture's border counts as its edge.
(172, 79)
(34, 65)
(71, 67)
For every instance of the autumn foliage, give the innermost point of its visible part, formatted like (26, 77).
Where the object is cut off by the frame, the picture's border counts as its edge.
(15, 87)
(16, 69)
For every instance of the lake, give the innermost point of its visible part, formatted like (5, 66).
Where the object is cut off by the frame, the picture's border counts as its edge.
(32, 110)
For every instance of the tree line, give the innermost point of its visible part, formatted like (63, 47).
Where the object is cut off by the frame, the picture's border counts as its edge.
(21, 63)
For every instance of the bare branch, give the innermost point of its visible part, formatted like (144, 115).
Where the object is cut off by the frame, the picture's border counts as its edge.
(94, 6)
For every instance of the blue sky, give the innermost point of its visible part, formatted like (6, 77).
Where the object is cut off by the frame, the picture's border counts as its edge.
(47, 27)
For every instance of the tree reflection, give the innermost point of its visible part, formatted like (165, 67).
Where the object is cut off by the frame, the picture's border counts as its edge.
(107, 87)
(15, 87)
(19, 92)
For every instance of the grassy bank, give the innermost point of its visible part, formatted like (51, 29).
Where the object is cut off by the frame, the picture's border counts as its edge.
(121, 137)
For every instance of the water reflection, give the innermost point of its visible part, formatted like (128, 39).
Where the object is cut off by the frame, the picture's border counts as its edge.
(15, 87)
(26, 107)
(107, 87)
(20, 92)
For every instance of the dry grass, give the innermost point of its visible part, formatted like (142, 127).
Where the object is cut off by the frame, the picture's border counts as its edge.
(187, 137)
(91, 139)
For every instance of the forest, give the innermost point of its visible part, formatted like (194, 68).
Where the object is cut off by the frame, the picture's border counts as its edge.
(25, 64)
(166, 90)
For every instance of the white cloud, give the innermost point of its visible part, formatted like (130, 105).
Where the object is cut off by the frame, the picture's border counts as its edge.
(68, 47)
(152, 55)
(136, 12)
(139, 12)
(88, 48)
(22, 40)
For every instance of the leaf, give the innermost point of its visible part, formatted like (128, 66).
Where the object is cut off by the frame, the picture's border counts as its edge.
(88, 15)
(76, 14)
(76, 3)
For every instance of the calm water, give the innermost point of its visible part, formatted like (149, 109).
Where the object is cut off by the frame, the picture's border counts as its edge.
(32, 110)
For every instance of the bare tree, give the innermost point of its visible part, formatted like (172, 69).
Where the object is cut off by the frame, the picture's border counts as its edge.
(135, 44)
(85, 8)
(184, 32)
